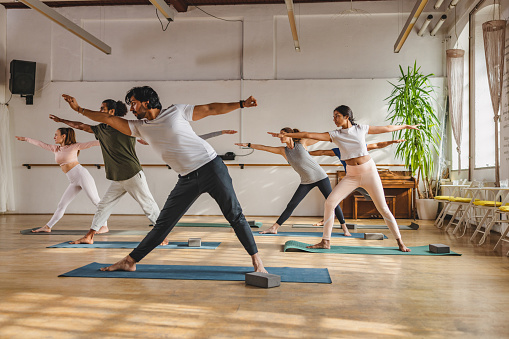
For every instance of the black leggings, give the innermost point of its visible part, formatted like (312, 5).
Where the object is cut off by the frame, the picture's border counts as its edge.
(212, 178)
(301, 192)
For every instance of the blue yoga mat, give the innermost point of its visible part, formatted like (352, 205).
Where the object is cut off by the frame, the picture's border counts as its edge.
(133, 244)
(187, 272)
(313, 234)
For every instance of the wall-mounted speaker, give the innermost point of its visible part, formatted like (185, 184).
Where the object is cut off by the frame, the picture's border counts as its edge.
(22, 79)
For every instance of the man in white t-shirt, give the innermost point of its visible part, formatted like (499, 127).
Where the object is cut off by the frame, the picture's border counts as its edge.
(200, 170)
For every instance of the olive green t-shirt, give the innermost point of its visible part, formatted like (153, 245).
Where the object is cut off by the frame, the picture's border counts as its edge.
(120, 160)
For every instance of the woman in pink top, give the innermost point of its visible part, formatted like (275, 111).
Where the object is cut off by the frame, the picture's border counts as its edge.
(66, 155)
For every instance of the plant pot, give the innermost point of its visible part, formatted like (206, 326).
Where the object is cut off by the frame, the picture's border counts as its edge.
(427, 209)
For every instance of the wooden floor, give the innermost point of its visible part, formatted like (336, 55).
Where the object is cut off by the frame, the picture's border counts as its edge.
(370, 296)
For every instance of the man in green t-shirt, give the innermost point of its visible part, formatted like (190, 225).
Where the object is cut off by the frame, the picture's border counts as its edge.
(122, 168)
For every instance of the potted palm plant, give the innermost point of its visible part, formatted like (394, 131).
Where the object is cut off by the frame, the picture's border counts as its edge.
(411, 103)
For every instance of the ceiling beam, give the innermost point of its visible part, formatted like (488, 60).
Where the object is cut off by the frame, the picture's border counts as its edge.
(67, 24)
(409, 25)
(293, 26)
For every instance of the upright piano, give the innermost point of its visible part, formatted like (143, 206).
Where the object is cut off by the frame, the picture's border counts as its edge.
(397, 186)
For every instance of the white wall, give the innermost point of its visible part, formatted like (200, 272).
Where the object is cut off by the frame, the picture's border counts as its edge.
(344, 60)
(3, 53)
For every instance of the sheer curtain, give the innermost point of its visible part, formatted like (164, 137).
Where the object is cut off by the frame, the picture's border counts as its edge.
(6, 179)
(455, 76)
(494, 45)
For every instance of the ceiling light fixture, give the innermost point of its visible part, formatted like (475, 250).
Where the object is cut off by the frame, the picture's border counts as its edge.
(414, 15)
(425, 25)
(438, 4)
(453, 3)
(67, 24)
(293, 27)
(438, 25)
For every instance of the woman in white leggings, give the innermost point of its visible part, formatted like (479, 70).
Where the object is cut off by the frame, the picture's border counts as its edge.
(66, 155)
(362, 172)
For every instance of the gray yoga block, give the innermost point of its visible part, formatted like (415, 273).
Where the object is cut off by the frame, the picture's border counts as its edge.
(351, 227)
(194, 242)
(373, 236)
(439, 248)
(265, 280)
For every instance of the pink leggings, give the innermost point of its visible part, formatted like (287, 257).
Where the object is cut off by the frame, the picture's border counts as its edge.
(79, 179)
(365, 176)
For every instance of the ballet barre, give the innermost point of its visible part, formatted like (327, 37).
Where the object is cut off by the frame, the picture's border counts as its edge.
(242, 166)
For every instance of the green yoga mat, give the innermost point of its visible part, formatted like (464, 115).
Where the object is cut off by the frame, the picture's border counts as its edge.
(412, 226)
(293, 245)
(210, 224)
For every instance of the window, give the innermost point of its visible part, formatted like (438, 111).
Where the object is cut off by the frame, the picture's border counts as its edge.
(484, 135)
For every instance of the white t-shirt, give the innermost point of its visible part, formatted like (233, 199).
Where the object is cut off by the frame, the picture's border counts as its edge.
(171, 135)
(351, 141)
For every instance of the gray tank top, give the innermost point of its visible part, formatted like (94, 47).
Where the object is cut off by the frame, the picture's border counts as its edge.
(302, 162)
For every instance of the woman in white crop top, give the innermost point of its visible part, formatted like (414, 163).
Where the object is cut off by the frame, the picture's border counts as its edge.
(362, 172)
(66, 155)
(312, 175)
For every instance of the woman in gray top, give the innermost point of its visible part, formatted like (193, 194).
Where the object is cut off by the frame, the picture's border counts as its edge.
(311, 174)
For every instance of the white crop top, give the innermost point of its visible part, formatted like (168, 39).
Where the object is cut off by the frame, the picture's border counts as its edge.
(351, 141)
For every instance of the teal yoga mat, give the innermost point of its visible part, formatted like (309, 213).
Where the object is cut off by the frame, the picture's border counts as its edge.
(293, 245)
(187, 272)
(312, 234)
(133, 244)
(82, 232)
(211, 224)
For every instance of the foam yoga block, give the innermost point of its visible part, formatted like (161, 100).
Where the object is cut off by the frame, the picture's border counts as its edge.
(373, 236)
(265, 280)
(194, 242)
(439, 248)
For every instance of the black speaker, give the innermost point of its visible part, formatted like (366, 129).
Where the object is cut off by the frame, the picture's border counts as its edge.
(22, 79)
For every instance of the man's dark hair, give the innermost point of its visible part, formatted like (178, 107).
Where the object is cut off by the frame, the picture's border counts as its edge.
(143, 94)
(118, 106)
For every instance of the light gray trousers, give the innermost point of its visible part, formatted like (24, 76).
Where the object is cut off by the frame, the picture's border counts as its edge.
(137, 187)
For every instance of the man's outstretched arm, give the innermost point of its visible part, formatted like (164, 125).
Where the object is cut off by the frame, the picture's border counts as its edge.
(73, 124)
(117, 123)
(218, 108)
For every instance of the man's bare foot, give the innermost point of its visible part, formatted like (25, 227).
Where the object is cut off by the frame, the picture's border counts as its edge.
(126, 264)
(320, 223)
(402, 246)
(271, 230)
(322, 244)
(258, 264)
(103, 229)
(87, 239)
(44, 229)
(84, 240)
(345, 230)
(165, 242)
